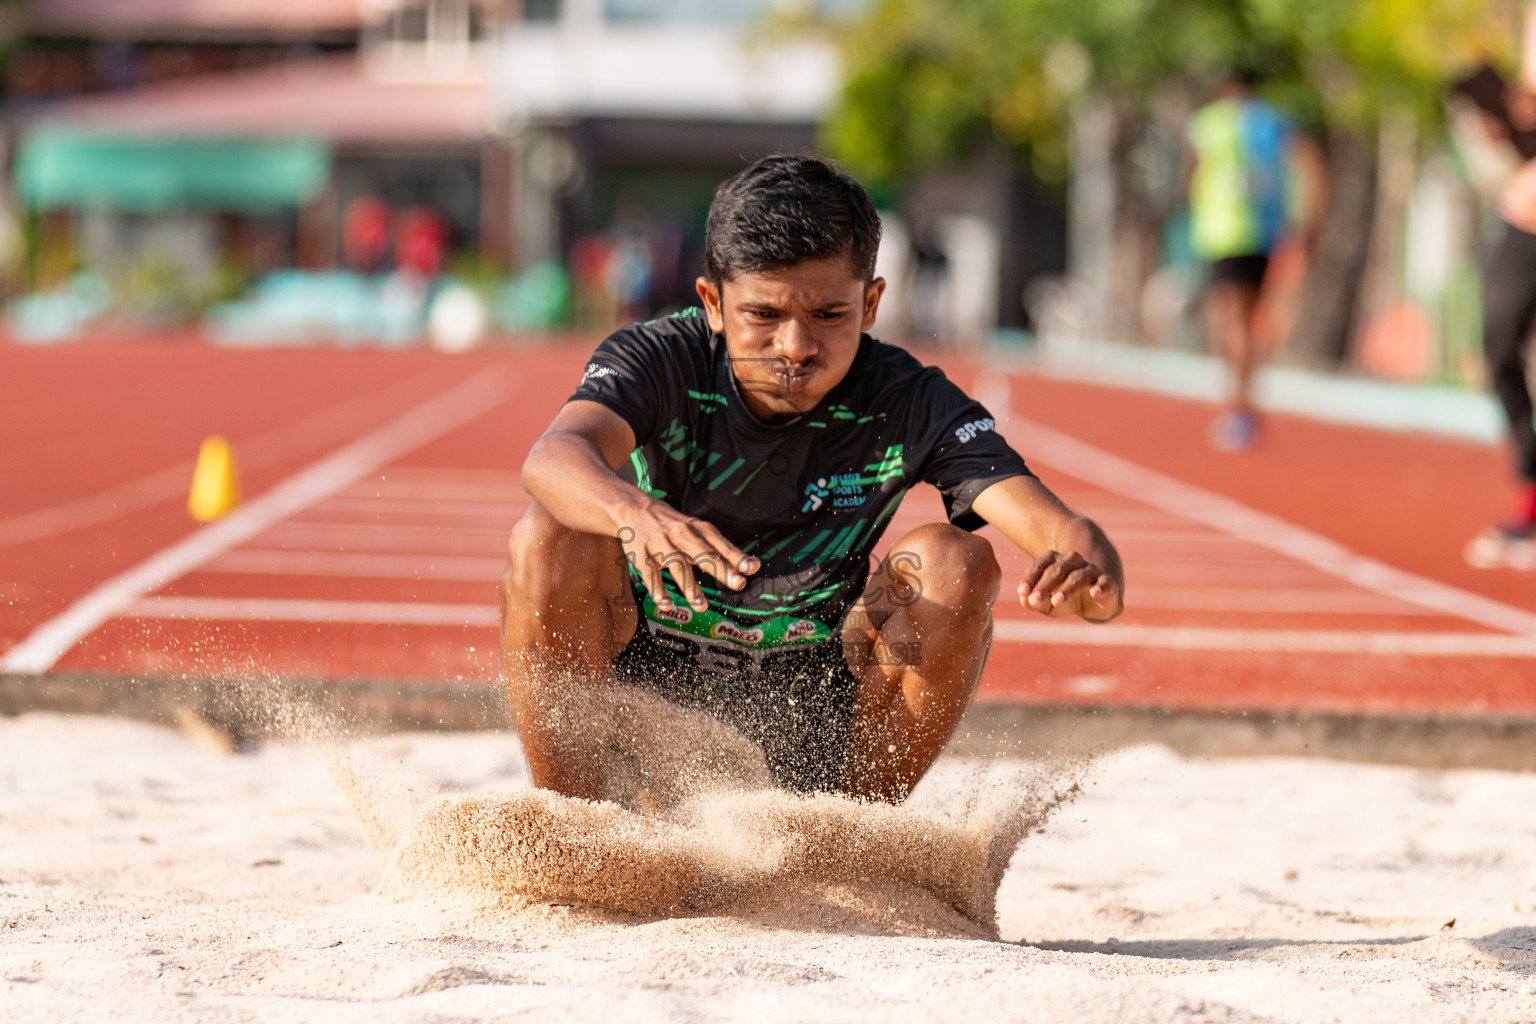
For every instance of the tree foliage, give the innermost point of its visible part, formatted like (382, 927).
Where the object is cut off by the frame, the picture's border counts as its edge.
(928, 79)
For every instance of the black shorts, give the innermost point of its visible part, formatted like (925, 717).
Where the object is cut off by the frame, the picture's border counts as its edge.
(1245, 270)
(796, 703)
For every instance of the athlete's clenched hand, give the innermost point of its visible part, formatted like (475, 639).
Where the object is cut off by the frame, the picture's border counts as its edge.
(1059, 585)
(659, 539)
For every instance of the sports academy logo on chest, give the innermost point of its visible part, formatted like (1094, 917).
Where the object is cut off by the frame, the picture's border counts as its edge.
(843, 490)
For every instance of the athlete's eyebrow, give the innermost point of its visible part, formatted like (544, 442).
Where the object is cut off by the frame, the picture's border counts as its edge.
(764, 306)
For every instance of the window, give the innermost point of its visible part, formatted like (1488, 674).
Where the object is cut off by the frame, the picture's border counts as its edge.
(410, 24)
(445, 22)
(541, 10)
(728, 12)
(718, 12)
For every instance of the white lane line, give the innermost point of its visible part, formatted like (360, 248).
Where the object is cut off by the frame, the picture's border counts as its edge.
(290, 440)
(1211, 574)
(1181, 638)
(1051, 447)
(1340, 600)
(1245, 560)
(278, 562)
(145, 492)
(427, 422)
(262, 609)
(268, 609)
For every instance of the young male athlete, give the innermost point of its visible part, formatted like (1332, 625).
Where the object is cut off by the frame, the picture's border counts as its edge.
(706, 503)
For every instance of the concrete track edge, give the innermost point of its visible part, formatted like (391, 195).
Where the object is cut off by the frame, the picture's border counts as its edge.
(250, 710)
(1459, 413)
(1424, 741)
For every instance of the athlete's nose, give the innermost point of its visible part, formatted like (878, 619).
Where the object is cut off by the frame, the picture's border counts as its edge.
(793, 341)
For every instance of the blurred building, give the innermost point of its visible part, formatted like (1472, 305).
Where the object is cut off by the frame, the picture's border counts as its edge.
(218, 132)
(628, 113)
(74, 47)
(192, 145)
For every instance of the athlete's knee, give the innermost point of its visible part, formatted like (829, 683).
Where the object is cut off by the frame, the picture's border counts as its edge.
(948, 565)
(546, 557)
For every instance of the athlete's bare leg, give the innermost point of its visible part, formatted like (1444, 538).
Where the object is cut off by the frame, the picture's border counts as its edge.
(917, 641)
(565, 613)
(1230, 308)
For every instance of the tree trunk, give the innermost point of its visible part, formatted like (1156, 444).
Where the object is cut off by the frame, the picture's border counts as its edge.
(1091, 213)
(1330, 295)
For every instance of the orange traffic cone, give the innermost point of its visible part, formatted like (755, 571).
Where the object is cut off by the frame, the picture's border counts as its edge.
(215, 481)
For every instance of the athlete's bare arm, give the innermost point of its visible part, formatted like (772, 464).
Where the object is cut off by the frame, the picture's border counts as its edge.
(571, 471)
(1076, 570)
(1309, 168)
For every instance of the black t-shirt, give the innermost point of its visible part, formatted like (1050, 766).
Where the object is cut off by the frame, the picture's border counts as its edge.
(809, 498)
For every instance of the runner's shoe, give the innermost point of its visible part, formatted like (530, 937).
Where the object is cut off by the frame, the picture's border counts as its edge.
(1503, 547)
(1234, 431)
(1511, 544)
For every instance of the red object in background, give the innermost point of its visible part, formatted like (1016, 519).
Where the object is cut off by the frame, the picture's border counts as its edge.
(1398, 344)
(365, 233)
(589, 260)
(421, 238)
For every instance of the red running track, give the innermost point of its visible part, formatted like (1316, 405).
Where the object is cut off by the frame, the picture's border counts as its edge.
(1320, 571)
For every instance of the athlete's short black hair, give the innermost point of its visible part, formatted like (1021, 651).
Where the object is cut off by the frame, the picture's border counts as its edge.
(786, 209)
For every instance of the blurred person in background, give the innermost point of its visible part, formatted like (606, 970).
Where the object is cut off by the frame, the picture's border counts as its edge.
(1509, 307)
(365, 233)
(1245, 163)
(421, 241)
(630, 268)
(590, 256)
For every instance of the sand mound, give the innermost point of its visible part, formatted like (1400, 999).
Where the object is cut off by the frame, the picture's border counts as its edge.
(700, 831)
(538, 844)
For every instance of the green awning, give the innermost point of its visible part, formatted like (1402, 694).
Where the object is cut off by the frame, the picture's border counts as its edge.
(59, 168)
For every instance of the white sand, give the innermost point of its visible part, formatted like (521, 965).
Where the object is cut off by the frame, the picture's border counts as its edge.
(144, 879)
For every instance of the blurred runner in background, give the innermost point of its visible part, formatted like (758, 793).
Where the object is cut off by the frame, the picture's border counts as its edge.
(1244, 169)
(1509, 305)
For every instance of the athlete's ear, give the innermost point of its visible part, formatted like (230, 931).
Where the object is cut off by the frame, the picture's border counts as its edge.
(709, 294)
(872, 293)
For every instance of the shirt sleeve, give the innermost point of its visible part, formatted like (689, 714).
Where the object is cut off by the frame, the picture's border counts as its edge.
(630, 373)
(964, 453)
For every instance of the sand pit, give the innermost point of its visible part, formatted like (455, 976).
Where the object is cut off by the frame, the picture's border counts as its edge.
(694, 824)
(142, 878)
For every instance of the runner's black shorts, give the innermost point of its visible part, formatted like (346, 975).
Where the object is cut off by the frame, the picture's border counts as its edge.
(1245, 270)
(795, 703)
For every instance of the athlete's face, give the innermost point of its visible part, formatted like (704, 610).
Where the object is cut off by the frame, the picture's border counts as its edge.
(792, 333)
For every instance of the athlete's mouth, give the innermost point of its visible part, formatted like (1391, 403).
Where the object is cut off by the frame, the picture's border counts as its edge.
(793, 378)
